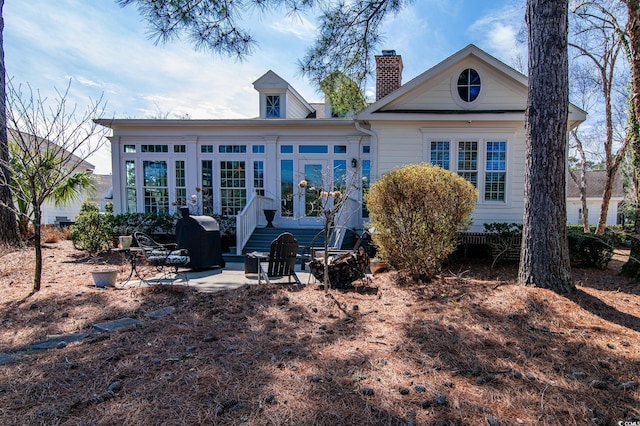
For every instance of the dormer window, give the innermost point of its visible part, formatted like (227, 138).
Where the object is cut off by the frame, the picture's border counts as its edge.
(273, 106)
(469, 85)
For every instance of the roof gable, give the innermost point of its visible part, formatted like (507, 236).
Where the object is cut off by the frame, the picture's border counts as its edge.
(272, 83)
(269, 81)
(503, 89)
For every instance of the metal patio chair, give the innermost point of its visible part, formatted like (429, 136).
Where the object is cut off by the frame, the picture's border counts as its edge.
(165, 257)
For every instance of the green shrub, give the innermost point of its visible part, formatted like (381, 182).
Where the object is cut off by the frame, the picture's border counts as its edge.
(589, 250)
(92, 230)
(149, 223)
(416, 212)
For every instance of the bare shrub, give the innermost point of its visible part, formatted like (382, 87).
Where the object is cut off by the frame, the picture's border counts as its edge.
(51, 234)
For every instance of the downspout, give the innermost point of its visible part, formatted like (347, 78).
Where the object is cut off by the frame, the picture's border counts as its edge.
(374, 150)
(374, 145)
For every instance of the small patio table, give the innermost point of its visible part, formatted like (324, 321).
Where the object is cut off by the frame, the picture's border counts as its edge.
(131, 254)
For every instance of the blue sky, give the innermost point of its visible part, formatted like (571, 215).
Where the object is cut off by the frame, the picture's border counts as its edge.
(105, 49)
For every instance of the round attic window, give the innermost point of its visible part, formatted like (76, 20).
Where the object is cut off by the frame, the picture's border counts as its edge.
(469, 85)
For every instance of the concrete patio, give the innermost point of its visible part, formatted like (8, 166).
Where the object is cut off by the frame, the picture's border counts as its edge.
(212, 280)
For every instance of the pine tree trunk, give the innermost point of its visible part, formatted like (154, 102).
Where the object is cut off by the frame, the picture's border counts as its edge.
(544, 258)
(8, 224)
(632, 267)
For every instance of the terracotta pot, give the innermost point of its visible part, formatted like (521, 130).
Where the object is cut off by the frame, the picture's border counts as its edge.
(378, 266)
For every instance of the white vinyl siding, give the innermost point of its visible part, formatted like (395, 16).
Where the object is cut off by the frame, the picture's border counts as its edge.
(295, 108)
(438, 93)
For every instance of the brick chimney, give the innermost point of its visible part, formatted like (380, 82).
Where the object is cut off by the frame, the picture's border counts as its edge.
(388, 73)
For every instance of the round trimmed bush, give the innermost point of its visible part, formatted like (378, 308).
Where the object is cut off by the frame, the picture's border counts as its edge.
(416, 212)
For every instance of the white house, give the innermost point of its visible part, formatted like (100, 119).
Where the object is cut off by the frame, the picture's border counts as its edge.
(466, 114)
(595, 188)
(52, 214)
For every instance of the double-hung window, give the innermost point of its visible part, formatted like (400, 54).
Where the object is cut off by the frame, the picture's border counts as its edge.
(468, 161)
(495, 171)
(480, 160)
(440, 154)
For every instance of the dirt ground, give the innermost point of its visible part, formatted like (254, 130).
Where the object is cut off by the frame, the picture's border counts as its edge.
(465, 349)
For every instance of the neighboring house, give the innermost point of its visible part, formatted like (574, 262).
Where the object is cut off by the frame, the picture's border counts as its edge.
(595, 188)
(466, 114)
(103, 192)
(52, 214)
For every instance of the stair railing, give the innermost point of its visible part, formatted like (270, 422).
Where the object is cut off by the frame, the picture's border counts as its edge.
(250, 217)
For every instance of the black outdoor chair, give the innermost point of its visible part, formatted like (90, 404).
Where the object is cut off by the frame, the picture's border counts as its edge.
(165, 257)
(282, 259)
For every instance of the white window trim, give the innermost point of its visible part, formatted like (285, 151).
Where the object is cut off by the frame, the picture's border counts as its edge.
(263, 105)
(454, 87)
(482, 136)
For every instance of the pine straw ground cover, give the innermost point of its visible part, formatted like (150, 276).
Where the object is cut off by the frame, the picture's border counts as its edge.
(461, 350)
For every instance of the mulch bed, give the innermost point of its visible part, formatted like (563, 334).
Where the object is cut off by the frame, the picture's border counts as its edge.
(468, 348)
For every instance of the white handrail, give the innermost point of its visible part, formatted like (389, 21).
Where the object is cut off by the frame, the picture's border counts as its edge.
(249, 218)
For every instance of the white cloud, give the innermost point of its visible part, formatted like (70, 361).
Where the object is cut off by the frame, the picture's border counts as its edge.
(296, 25)
(498, 32)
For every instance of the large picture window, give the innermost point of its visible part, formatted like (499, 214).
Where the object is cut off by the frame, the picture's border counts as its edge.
(233, 190)
(156, 190)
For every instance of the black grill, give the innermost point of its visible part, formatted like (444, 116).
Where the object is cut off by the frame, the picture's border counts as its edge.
(200, 235)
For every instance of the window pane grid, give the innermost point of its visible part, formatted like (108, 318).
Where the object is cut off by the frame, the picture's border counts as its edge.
(130, 182)
(273, 106)
(496, 165)
(232, 149)
(468, 161)
(156, 192)
(440, 154)
(181, 191)
(258, 177)
(207, 187)
(233, 193)
(494, 187)
(154, 148)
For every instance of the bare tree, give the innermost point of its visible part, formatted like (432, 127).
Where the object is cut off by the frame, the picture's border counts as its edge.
(597, 30)
(581, 179)
(50, 141)
(544, 259)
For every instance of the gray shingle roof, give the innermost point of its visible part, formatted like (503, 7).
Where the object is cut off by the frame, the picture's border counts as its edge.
(595, 185)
